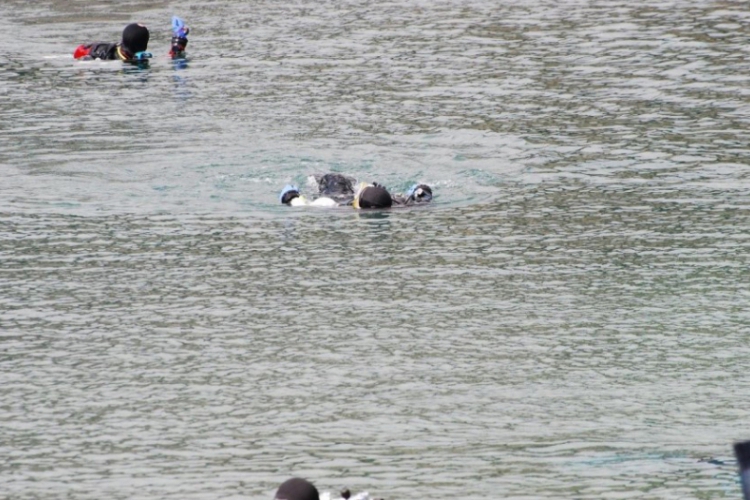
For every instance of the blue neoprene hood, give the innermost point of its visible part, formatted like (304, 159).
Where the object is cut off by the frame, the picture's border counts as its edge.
(287, 188)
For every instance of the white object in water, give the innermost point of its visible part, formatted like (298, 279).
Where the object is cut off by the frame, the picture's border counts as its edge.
(324, 201)
(299, 201)
(363, 495)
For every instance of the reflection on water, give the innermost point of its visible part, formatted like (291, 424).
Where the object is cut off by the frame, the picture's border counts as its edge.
(565, 320)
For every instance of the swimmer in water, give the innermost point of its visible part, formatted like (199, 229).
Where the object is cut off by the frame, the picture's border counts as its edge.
(366, 196)
(131, 48)
(418, 193)
(339, 190)
(134, 43)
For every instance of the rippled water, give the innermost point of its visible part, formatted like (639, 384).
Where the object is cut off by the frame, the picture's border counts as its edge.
(567, 320)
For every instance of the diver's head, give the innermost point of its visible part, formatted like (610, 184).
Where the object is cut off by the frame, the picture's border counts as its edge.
(335, 184)
(420, 193)
(135, 38)
(372, 196)
(289, 193)
(297, 489)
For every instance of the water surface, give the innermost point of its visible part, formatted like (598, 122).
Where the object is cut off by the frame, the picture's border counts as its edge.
(567, 320)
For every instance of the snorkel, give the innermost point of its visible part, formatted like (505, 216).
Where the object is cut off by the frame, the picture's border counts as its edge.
(179, 37)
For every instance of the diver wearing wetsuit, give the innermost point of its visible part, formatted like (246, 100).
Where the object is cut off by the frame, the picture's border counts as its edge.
(134, 41)
(366, 196)
(339, 190)
(418, 193)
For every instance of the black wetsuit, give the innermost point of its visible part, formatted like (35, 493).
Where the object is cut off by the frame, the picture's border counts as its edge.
(102, 50)
(340, 188)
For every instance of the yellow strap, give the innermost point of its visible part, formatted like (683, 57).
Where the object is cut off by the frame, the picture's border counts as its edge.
(361, 187)
(121, 55)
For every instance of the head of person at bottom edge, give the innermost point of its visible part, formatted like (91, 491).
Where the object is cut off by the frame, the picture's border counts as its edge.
(297, 488)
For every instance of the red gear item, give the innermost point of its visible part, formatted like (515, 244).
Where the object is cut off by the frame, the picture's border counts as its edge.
(82, 51)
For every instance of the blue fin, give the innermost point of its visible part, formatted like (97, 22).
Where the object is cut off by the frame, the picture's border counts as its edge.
(178, 27)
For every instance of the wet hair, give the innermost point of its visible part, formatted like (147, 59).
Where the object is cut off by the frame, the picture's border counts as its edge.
(135, 38)
(297, 489)
(289, 193)
(375, 196)
(336, 184)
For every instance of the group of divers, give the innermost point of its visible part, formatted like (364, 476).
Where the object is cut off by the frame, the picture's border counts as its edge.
(333, 189)
(339, 190)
